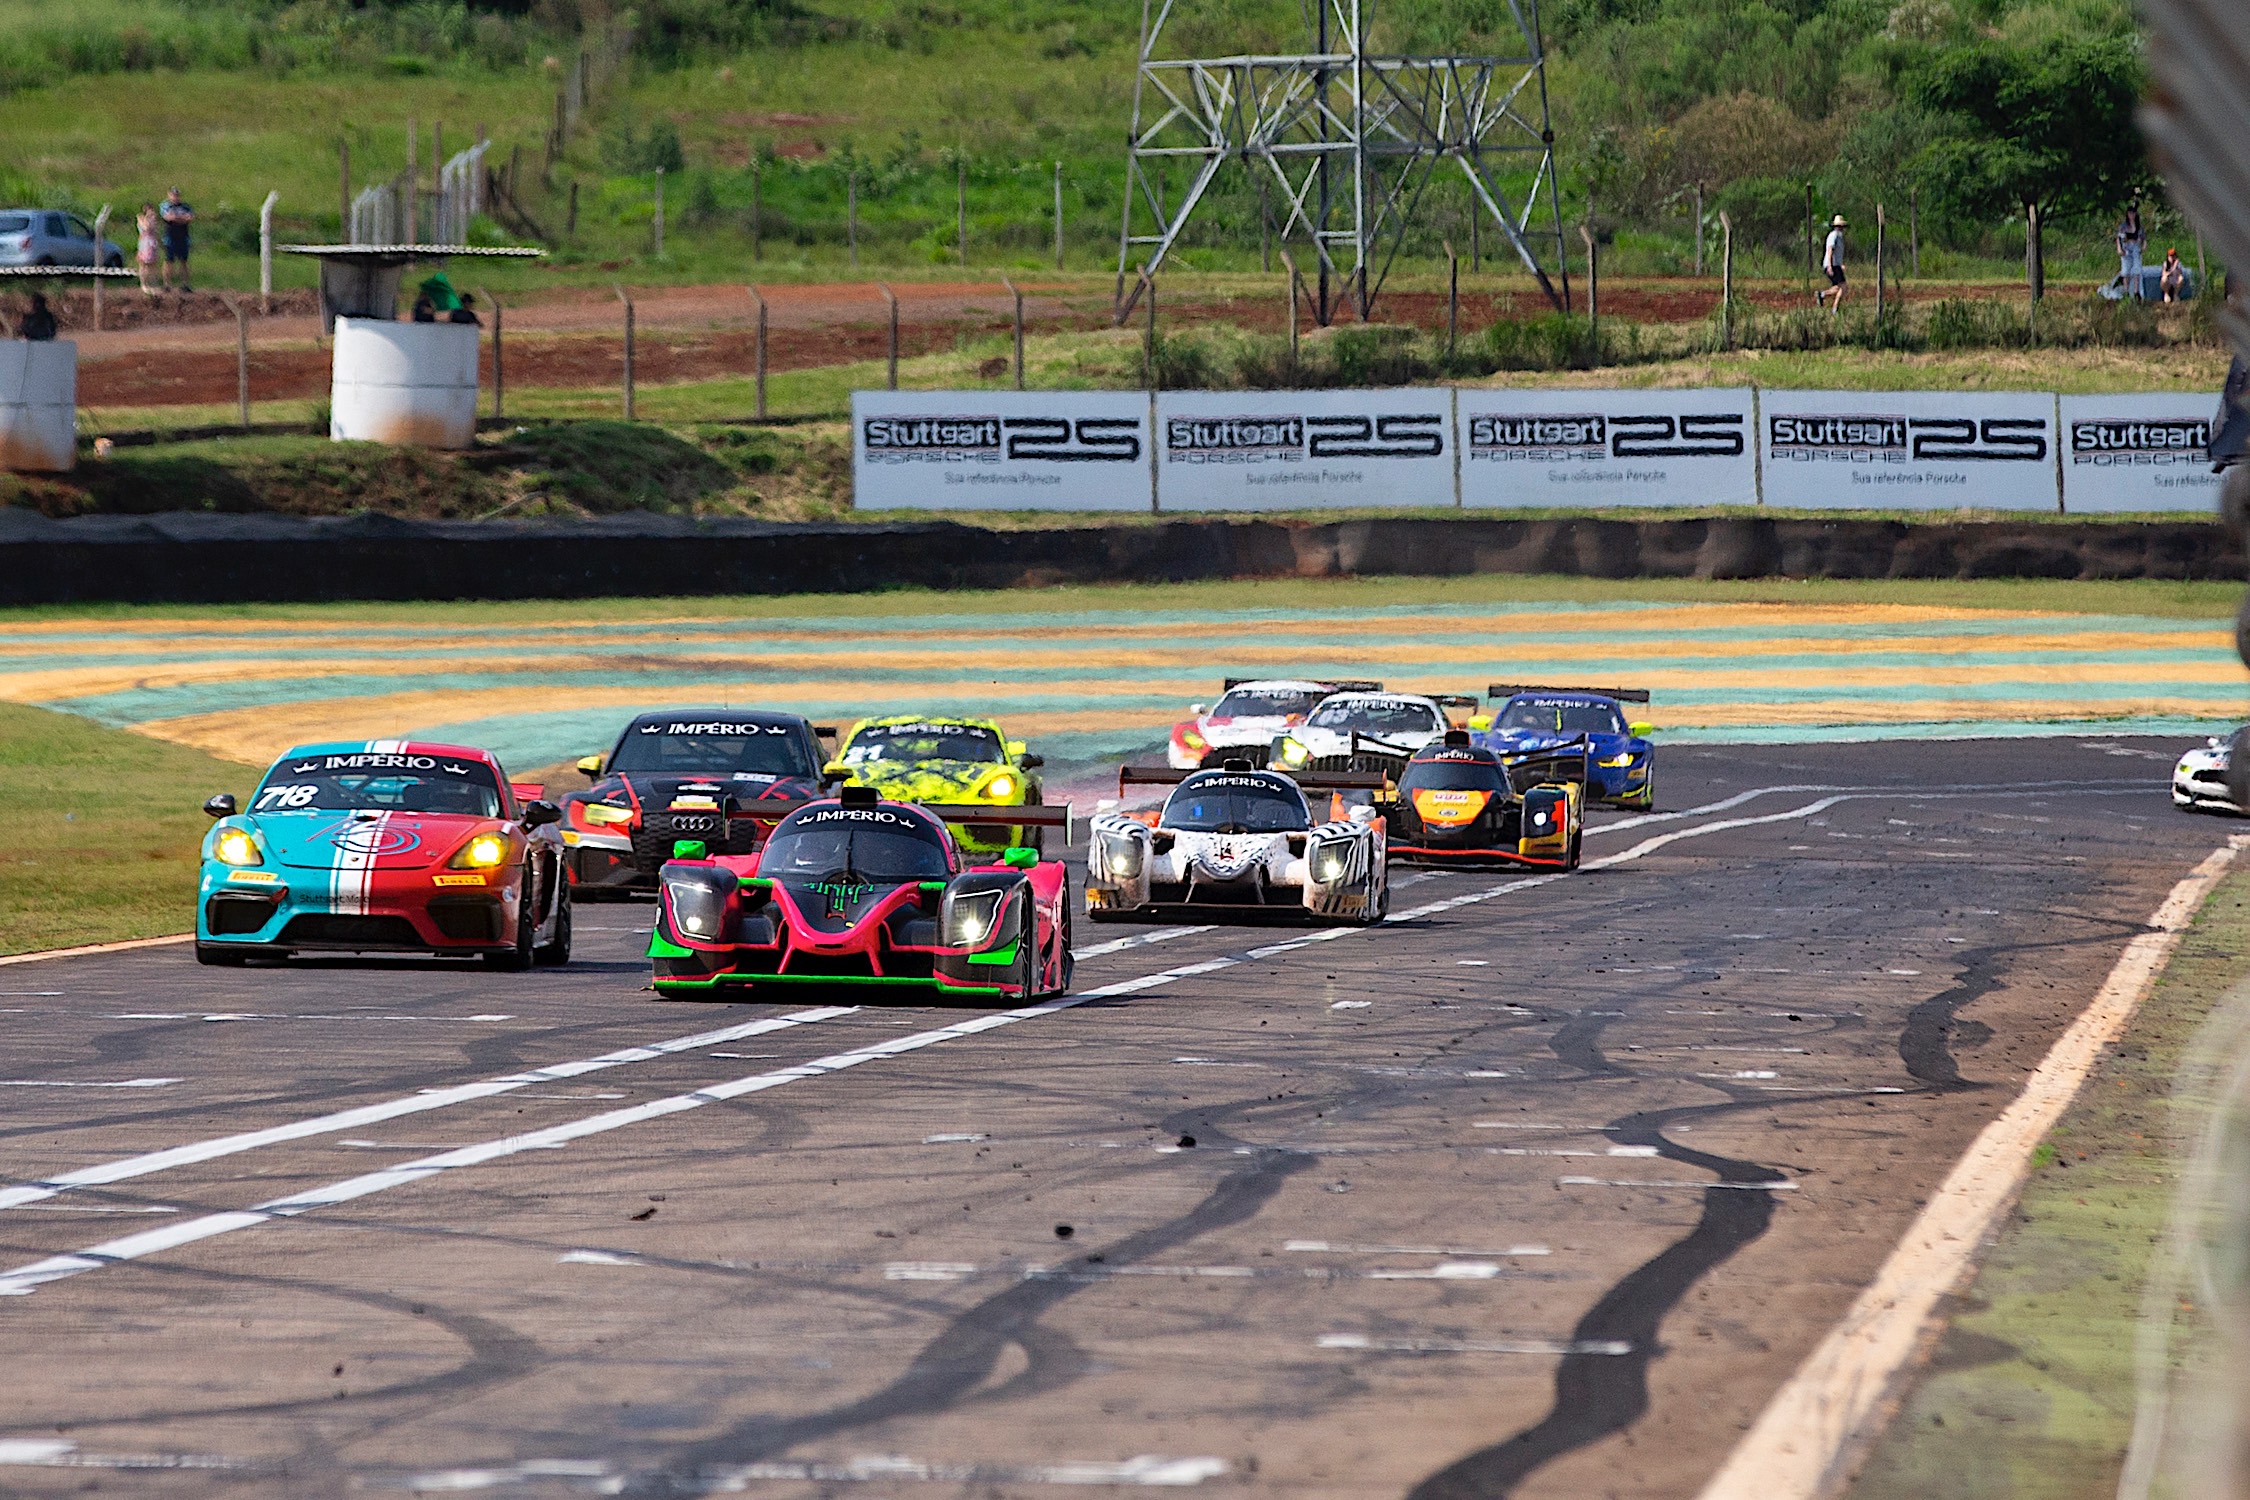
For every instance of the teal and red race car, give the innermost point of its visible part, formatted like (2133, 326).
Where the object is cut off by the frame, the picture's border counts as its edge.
(856, 891)
(384, 846)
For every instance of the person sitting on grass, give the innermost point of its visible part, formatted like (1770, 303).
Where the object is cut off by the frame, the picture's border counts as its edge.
(38, 325)
(2174, 279)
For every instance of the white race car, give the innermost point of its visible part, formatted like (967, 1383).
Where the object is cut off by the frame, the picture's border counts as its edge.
(1240, 838)
(1250, 714)
(2199, 781)
(1365, 731)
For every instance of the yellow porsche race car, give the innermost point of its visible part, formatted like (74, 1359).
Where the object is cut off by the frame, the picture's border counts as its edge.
(938, 761)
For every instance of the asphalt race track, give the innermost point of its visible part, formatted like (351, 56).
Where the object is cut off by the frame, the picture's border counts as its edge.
(1539, 1190)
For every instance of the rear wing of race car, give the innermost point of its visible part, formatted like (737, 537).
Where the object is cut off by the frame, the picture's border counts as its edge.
(1333, 684)
(1500, 690)
(1309, 781)
(1559, 763)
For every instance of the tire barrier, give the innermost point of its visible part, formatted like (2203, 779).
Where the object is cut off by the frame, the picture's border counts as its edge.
(185, 557)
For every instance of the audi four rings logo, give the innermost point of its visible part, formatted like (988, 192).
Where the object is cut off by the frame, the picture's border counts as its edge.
(2106, 442)
(1254, 439)
(990, 439)
(1597, 435)
(1894, 439)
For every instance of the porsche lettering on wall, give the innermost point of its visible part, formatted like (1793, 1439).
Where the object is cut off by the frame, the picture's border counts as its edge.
(2138, 453)
(1000, 450)
(1574, 448)
(1301, 450)
(1910, 450)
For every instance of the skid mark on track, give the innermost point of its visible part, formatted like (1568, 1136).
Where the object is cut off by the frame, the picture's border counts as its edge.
(1599, 1394)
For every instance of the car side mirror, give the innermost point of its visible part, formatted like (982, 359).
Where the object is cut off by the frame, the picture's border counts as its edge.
(1031, 762)
(590, 767)
(1197, 710)
(1364, 815)
(830, 775)
(1020, 858)
(1016, 749)
(1640, 731)
(1480, 721)
(540, 814)
(222, 806)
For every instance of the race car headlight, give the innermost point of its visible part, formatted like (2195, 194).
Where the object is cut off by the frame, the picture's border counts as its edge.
(1293, 751)
(1190, 739)
(1119, 859)
(236, 847)
(602, 813)
(1330, 859)
(698, 899)
(971, 917)
(487, 851)
(1001, 787)
(1541, 818)
(1622, 758)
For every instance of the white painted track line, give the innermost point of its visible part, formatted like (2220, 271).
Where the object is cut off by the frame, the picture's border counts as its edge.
(1811, 1434)
(130, 1167)
(91, 948)
(24, 1279)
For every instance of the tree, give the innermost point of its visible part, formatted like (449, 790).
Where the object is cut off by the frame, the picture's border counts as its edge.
(2050, 128)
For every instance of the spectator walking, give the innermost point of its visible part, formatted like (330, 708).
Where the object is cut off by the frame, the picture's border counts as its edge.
(177, 217)
(2131, 241)
(2174, 279)
(1832, 262)
(38, 325)
(145, 255)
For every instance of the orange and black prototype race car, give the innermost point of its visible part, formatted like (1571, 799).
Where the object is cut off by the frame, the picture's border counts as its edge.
(1457, 804)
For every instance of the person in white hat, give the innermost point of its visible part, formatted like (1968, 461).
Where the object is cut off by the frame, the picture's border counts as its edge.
(1832, 261)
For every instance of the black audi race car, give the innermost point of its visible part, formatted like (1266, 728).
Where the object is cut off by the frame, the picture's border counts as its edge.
(686, 773)
(1459, 803)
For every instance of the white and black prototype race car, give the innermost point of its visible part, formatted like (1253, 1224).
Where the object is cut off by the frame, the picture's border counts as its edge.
(1367, 731)
(1240, 839)
(2203, 780)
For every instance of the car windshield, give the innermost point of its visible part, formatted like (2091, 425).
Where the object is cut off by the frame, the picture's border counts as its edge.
(1375, 716)
(393, 783)
(1235, 804)
(14, 223)
(1265, 702)
(905, 744)
(1562, 716)
(705, 747)
(1451, 776)
(875, 844)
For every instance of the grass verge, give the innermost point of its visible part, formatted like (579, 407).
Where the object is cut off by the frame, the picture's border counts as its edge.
(103, 830)
(2030, 1393)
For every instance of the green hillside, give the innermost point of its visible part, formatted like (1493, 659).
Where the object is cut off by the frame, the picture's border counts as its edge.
(1964, 108)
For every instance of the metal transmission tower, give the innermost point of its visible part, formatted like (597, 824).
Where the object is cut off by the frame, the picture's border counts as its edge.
(1350, 137)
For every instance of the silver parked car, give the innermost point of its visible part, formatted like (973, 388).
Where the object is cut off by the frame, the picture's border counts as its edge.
(50, 237)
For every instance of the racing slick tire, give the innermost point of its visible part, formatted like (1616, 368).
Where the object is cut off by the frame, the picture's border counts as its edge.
(1646, 801)
(220, 955)
(1069, 959)
(1577, 841)
(555, 952)
(516, 959)
(1378, 902)
(1029, 960)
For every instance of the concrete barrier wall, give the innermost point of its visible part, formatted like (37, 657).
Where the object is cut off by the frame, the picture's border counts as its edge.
(38, 406)
(192, 558)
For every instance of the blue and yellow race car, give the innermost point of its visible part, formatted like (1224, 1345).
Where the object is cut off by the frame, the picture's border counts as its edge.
(1533, 720)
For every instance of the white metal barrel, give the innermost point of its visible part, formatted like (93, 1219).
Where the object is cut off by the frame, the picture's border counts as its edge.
(38, 405)
(405, 383)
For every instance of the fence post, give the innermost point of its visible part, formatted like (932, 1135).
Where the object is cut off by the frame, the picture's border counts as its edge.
(413, 147)
(1059, 218)
(1452, 298)
(1699, 225)
(101, 226)
(1265, 227)
(1148, 337)
(761, 348)
(265, 254)
(499, 356)
(1881, 225)
(961, 208)
(2035, 262)
(757, 204)
(1726, 281)
(1291, 267)
(891, 382)
(851, 214)
(1809, 262)
(1914, 231)
(1011, 286)
(344, 191)
(628, 301)
(1593, 294)
(659, 213)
